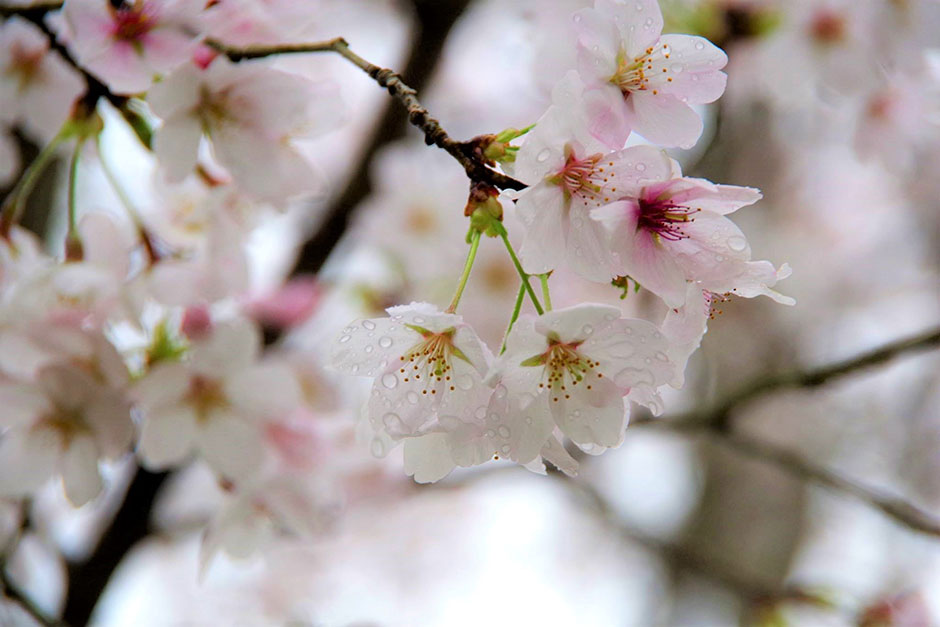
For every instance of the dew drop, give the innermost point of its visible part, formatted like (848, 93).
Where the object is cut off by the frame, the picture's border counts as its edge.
(368, 324)
(480, 413)
(490, 433)
(639, 6)
(392, 421)
(543, 155)
(505, 449)
(503, 431)
(525, 399)
(378, 448)
(385, 341)
(418, 319)
(699, 45)
(576, 18)
(648, 22)
(676, 67)
(719, 258)
(640, 167)
(354, 368)
(528, 420)
(465, 382)
(389, 380)
(737, 243)
(661, 356)
(345, 339)
(587, 329)
(368, 349)
(577, 222)
(412, 397)
(500, 391)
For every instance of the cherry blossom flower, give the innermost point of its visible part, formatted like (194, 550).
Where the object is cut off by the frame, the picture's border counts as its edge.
(638, 79)
(37, 86)
(260, 22)
(568, 179)
(129, 45)
(674, 230)
(250, 112)
(571, 369)
(426, 364)
(214, 401)
(61, 425)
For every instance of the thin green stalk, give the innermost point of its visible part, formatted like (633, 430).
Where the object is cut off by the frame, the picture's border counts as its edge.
(471, 256)
(522, 273)
(546, 295)
(15, 203)
(73, 185)
(515, 316)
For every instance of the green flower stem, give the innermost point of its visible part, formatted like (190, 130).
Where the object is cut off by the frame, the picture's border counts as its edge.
(522, 273)
(72, 235)
(515, 316)
(471, 256)
(15, 203)
(546, 296)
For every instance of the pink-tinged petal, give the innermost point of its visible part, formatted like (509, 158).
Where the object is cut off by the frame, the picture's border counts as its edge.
(543, 148)
(46, 104)
(90, 26)
(586, 249)
(757, 278)
(27, 460)
(577, 323)
(232, 446)
(164, 384)
(633, 353)
(542, 211)
(640, 22)
(590, 416)
(694, 88)
(268, 391)
(605, 116)
(233, 346)
(469, 343)
(665, 120)
(652, 265)
(637, 166)
(518, 432)
(279, 104)
(364, 344)
(694, 54)
(110, 416)
(176, 145)
(685, 327)
(269, 170)
(165, 49)
(22, 403)
(703, 194)
(712, 250)
(555, 453)
(178, 93)
(599, 43)
(80, 471)
(121, 68)
(619, 220)
(427, 458)
(167, 436)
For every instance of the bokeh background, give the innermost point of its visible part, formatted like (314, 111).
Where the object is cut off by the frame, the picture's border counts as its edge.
(833, 110)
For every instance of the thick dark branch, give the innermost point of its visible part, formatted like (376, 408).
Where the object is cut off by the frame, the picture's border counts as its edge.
(716, 421)
(130, 525)
(897, 508)
(718, 416)
(396, 86)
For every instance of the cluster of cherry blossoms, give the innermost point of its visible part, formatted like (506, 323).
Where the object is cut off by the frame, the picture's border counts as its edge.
(141, 331)
(612, 214)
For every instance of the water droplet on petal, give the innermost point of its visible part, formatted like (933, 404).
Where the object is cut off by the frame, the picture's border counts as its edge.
(392, 421)
(640, 167)
(577, 222)
(368, 324)
(505, 449)
(719, 258)
(576, 18)
(676, 67)
(345, 339)
(503, 431)
(378, 447)
(490, 433)
(465, 382)
(354, 368)
(528, 420)
(418, 319)
(412, 397)
(587, 329)
(699, 45)
(500, 391)
(737, 243)
(543, 155)
(639, 6)
(368, 349)
(648, 22)
(661, 356)
(389, 380)
(385, 341)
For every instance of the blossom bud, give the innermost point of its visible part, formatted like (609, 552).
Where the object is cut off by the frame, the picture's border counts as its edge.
(496, 148)
(483, 209)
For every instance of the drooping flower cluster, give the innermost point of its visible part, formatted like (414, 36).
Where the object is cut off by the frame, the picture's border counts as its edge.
(608, 213)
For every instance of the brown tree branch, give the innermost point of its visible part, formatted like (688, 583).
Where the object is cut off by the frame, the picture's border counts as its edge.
(716, 421)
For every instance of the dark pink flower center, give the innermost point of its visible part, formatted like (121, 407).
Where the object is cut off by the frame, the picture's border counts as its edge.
(664, 218)
(132, 23)
(577, 176)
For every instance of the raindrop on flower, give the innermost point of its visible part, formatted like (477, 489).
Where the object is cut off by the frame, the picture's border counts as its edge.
(385, 341)
(389, 380)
